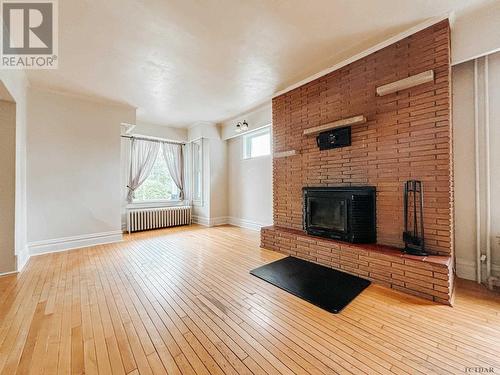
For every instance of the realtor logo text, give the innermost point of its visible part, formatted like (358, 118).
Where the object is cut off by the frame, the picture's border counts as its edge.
(29, 38)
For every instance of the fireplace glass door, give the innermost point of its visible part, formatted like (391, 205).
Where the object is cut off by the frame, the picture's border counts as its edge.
(345, 213)
(326, 213)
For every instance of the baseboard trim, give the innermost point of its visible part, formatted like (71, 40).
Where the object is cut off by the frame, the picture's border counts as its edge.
(8, 273)
(495, 269)
(201, 220)
(75, 242)
(22, 259)
(466, 269)
(209, 222)
(245, 223)
(224, 220)
(216, 221)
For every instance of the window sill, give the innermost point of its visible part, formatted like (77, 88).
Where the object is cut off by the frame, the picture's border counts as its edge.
(155, 204)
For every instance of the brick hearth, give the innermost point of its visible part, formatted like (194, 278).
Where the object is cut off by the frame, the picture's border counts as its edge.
(407, 136)
(427, 277)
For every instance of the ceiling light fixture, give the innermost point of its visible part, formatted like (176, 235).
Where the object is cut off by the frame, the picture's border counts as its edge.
(241, 126)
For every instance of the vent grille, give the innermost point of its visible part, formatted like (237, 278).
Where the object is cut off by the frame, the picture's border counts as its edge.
(363, 218)
(154, 218)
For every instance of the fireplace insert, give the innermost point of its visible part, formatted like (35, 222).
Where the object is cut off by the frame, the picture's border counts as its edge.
(342, 213)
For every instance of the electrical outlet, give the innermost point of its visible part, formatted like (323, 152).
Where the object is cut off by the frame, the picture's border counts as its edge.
(493, 282)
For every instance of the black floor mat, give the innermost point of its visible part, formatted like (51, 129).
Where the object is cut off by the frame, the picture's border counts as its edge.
(324, 287)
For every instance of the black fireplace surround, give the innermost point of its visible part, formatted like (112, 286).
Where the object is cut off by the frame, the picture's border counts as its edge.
(342, 213)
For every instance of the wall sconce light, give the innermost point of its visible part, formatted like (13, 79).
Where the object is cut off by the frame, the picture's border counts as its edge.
(241, 126)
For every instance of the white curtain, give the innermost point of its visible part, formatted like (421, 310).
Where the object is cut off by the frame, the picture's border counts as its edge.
(143, 156)
(175, 164)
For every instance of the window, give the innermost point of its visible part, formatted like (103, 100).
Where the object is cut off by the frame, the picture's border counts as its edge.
(159, 186)
(257, 143)
(198, 171)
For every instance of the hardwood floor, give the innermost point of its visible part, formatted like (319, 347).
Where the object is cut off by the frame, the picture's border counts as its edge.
(181, 301)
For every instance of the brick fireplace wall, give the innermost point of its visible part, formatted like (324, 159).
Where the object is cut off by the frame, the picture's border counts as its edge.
(407, 136)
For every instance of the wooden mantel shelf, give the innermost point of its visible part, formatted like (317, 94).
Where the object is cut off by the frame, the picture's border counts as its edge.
(406, 83)
(355, 120)
(285, 154)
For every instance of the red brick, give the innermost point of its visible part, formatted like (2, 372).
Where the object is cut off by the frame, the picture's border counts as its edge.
(407, 136)
(377, 263)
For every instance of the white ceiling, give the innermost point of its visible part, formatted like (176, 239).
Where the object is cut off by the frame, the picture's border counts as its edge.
(183, 61)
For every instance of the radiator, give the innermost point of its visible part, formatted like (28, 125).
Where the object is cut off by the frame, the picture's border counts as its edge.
(153, 218)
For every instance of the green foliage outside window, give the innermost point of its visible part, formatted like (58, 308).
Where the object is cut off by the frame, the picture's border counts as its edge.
(158, 185)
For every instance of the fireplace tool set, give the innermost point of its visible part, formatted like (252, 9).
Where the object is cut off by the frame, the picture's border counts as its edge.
(413, 234)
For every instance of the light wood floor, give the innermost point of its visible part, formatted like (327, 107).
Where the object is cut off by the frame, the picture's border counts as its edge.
(182, 301)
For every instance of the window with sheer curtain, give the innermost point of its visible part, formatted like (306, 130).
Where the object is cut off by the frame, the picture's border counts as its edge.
(159, 185)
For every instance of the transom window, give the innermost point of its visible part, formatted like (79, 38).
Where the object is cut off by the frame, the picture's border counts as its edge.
(257, 143)
(159, 185)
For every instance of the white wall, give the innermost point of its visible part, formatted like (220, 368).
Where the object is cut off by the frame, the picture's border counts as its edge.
(7, 186)
(201, 210)
(476, 33)
(259, 117)
(213, 210)
(160, 131)
(218, 180)
(250, 188)
(73, 174)
(16, 83)
(464, 163)
(464, 170)
(494, 91)
(236, 191)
